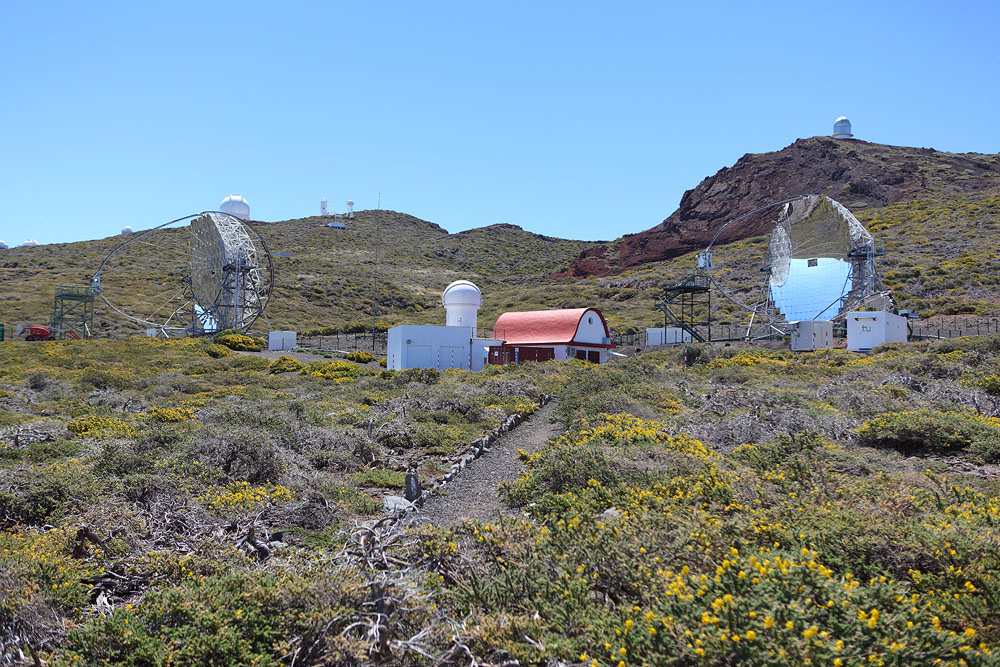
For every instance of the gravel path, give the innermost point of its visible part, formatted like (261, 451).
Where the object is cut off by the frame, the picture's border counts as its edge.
(473, 492)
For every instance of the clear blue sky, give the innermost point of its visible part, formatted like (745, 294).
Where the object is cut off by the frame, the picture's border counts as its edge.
(575, 119)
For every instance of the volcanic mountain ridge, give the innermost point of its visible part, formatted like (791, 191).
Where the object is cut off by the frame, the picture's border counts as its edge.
(859, 174)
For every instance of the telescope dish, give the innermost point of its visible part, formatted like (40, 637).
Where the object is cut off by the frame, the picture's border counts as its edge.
(191, 276)
(820, 263)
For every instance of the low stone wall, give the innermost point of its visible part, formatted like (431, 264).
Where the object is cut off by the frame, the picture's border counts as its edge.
(396, 506)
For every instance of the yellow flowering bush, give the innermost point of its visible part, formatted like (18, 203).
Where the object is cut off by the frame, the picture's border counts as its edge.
(171, 415)
(336, 370)
(243, 495)
(748, 357)
(101, 427)
(285, 364)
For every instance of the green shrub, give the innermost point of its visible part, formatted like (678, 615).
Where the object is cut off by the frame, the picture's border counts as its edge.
(927, 431)
(44, 493)
(217, 351)
(422, 375)
(380, 477)
(243, 618)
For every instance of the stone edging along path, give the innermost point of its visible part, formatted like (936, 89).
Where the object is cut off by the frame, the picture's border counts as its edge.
(396, 507)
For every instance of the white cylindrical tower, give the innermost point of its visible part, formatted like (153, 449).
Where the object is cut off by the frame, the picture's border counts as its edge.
(126, 230)
(323, 204)
(350, 208)
(461, 300)
(842, 128)
(236, 206)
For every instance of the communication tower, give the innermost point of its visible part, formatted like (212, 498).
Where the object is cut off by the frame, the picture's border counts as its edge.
(350, 208)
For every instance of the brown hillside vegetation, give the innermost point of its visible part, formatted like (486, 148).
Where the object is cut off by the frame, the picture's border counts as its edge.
(858, 174)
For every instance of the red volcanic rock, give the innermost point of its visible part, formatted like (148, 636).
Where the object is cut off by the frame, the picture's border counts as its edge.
(856, 173)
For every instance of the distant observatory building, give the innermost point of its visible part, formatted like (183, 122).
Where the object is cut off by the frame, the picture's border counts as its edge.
(126, 231)
(324, 204)
(3, 245)
(842, 128)
(29, 242)
(350, 208)
(236, 206)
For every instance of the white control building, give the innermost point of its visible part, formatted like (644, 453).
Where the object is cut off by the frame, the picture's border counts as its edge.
(454, 345)
(869, 329)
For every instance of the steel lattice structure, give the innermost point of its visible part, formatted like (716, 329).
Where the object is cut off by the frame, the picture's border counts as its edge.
(223, 275)
(831, 235)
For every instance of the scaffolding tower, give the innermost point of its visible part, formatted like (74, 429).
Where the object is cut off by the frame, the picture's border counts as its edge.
(73, 312)
(688, 305)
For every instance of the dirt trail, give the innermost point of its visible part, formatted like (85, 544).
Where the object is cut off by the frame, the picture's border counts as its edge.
(473, 492)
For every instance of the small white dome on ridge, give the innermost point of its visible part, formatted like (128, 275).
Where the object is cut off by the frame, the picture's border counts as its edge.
(236, 206)
(29, 242)
(3, 245)
(126, 230)
(842, 128)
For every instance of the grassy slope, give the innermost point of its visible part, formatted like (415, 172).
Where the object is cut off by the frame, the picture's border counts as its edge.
(772, 497)
(326, 281)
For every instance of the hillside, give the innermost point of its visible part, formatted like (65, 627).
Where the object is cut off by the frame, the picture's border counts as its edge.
(327, 280)
(858, 174)
(936, 214)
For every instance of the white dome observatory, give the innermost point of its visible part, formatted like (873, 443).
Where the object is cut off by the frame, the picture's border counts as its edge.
(29, 242)
(3, 245)
(461, 300)
(842, 128)
(126, 230)
(236, 206)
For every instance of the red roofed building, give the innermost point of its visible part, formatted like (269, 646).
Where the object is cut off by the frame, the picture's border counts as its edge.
(541, 335)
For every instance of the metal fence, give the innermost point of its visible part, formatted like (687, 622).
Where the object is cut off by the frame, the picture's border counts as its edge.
(955, 328)
(937, 328)
(720, 332)
(347, 342)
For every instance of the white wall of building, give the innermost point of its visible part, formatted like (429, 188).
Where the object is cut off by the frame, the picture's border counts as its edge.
(812, 335)
(667, 336)
(440, 347)
(866, 330)
(591, 329)
(281, 340)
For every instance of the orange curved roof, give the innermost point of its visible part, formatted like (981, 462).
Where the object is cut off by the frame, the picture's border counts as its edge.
(545, 327)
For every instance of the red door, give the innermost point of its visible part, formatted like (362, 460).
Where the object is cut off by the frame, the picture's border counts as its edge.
(535, 354)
